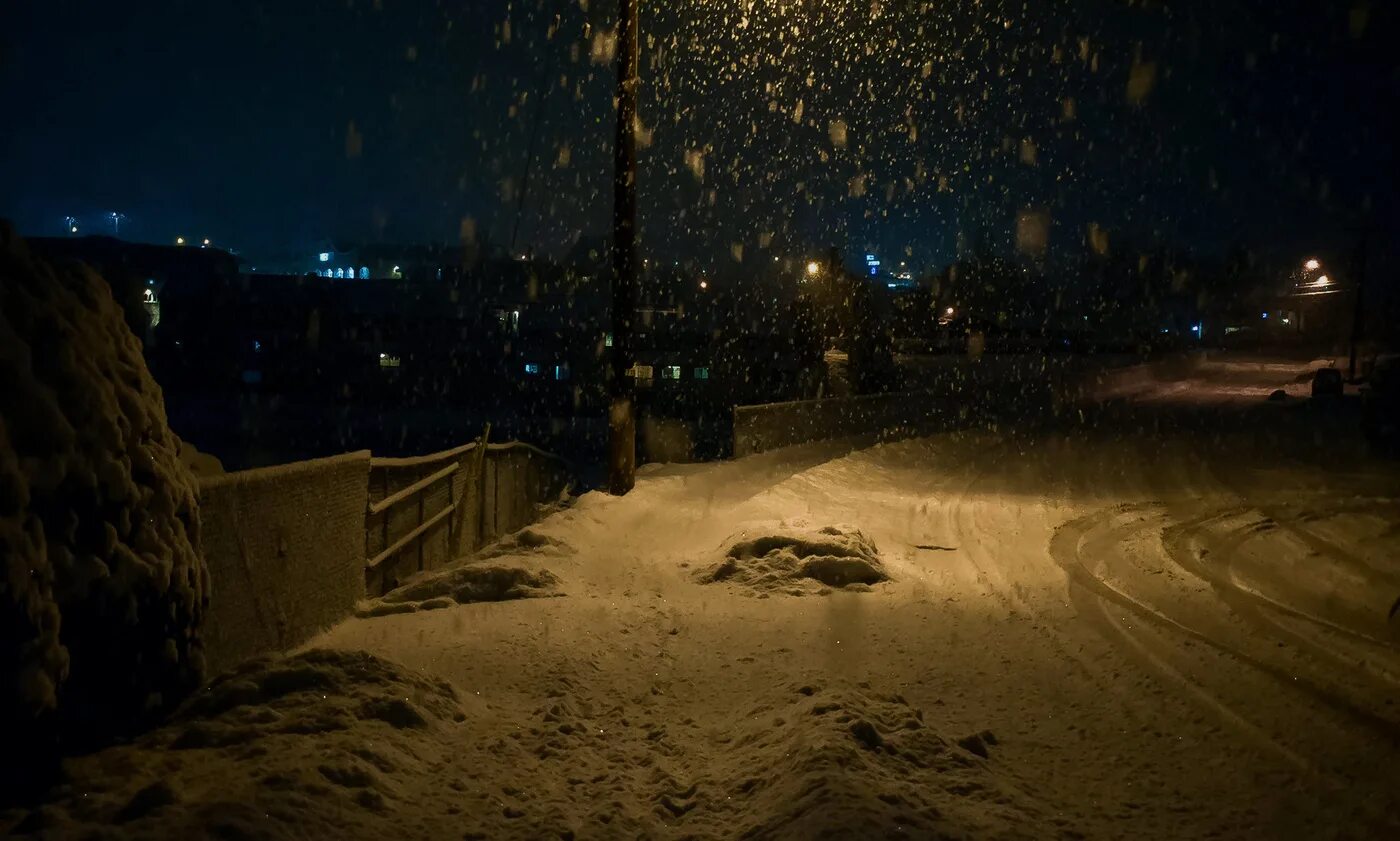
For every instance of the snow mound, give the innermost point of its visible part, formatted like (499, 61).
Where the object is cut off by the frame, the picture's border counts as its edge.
(799, 562)
(473, 582)
(526, 542)
(104, 589)
(855, 763)
(324, 739)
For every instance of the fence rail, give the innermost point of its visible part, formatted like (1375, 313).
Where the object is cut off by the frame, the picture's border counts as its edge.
(425, 511)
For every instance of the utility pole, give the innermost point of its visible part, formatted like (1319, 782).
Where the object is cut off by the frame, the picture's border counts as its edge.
(622, 417)
(1358, 318)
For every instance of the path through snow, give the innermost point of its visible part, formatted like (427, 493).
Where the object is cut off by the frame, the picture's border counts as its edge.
(1086, 633)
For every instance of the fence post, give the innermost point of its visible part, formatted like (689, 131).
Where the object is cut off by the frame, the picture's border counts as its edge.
(481, 463)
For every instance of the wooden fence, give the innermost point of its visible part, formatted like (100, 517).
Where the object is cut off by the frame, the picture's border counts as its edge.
(426, 511)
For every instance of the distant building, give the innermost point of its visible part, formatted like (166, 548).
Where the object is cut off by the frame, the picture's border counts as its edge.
(377, 262)
(139, 273)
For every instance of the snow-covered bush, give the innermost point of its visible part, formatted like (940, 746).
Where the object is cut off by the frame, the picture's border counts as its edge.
(103, 587)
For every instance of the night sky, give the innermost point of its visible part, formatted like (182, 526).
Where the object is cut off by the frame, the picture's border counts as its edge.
(915, 129)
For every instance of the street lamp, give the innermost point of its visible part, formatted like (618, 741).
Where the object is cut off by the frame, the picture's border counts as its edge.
(814, 269)
(1312, 265)
(622, 420)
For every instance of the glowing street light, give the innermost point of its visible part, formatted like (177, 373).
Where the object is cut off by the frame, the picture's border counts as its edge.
(704, 284)
(949, 311)
(206, 242)
(814, 269)
(179, 240)
(1312, 265)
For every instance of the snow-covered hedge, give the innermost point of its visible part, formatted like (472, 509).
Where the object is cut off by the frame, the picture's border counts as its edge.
(103, 588)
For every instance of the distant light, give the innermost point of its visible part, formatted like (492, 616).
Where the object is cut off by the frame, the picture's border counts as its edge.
(890, 285)
(179, 240)
(383, 356)
(775, 259)
(814, 268)
(1287, 321)
(949, 311)
(704, 284)
(325, 256)
(1322, 281)
(73, 230)
(1196, 328)
(1263, 315)
(1312, 265)
(532, 368)
(206, 240)
(870, 258)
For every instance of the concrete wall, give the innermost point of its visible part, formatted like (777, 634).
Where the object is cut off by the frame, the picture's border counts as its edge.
(285, 547)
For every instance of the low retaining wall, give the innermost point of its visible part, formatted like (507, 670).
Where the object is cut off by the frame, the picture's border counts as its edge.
(285, 550)
(959, 391)
(758, 429)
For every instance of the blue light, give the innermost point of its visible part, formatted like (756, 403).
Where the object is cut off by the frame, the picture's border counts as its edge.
(325, 256)
(1263, 315)
(874, 270)
(1196, 328)
(870, 258)
(532, 368)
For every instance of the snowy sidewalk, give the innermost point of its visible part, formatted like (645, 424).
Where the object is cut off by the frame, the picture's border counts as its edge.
(1057, 653)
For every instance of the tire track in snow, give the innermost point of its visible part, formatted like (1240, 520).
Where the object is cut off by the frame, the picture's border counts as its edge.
(1309, 538)
(1067, 549)
(1253, 606)
(1092, 596)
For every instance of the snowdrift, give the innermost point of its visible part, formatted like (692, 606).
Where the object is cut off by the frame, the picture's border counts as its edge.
(103, 587)
(312, 746)
(800, 562)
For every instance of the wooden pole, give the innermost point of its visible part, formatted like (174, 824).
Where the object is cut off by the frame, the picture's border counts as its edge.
(622, 419)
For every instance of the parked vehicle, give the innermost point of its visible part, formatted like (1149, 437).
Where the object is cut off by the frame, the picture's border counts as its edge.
(1380, 404)
(1327, 382)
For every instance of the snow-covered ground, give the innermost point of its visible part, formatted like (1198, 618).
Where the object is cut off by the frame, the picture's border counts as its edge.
(1096, 632)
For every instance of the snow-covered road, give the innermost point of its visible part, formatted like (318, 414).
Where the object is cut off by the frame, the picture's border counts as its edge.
(1091, 632)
